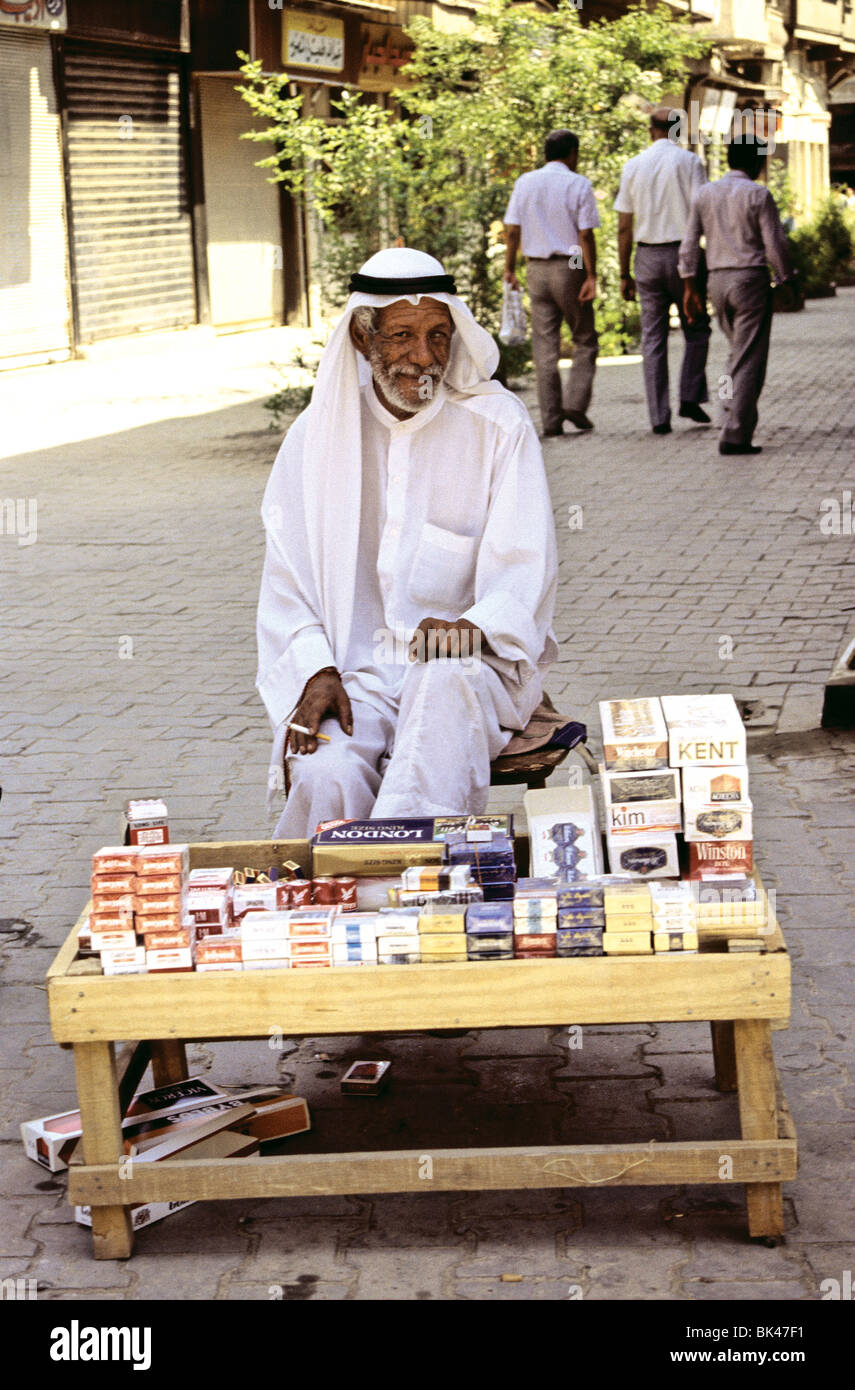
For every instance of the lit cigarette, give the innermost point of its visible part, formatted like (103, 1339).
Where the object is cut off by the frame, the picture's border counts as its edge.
(301, 729)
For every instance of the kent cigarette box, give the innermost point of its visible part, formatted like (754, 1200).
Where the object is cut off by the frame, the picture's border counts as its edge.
(733, 822)
(714, 786)
(652, 855)
(564, 832)
(635, 738)
(704, 729)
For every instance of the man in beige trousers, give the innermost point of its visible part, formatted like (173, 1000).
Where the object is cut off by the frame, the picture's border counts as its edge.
(551, 217)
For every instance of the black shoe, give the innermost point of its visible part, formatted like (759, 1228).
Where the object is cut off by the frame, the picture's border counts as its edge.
(690, 410)
(552, 434)
(579, 419)
(663, 428)
(740, 448)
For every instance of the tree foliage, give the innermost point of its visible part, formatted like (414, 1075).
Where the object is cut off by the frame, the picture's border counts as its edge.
(438, 171)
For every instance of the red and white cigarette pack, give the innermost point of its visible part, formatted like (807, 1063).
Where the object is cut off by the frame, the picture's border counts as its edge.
(113, 940)
(115, 859)
(146, 822)
(175, 960)
(156, 860)
(129, 961)
(219, 950)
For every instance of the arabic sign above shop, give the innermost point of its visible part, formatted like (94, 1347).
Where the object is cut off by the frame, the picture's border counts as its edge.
(312, 41)
(385, 50)
(34, 14)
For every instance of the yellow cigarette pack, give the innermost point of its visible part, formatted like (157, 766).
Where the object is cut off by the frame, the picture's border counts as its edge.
(627, 943)
(626, 899)
(442, 923)
(445, 946)
(629, 922)
(675, 940)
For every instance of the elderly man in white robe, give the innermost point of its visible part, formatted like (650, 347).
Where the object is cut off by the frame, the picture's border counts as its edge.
(406, 605)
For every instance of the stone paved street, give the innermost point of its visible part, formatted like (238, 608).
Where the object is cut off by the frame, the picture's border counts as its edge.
(127, 668)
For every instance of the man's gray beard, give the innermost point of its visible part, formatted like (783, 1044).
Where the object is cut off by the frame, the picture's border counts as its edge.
(386, 379)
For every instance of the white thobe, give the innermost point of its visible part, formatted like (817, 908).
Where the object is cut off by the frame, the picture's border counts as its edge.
(455, 522)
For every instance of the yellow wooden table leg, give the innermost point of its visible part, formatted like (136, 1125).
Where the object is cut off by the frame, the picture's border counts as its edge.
(168, 1061)
(724, 1056)
(758, 1115)
(98, 1098)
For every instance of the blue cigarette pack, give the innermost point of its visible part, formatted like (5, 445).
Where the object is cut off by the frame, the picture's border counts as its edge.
(488, 919)
(581, 917)
(574, 938)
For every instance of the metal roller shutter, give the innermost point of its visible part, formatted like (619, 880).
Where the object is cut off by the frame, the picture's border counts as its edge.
(130, 214)
(34, 309)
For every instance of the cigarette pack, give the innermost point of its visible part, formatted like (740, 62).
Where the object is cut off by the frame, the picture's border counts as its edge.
(444, 897)
(264, 926)
(564, 832)
(486, 919)
(577, 938)
(113, 885)
(653, 855)
(154, 904)
(365, 1078)
(492, 850)
(278, 963)
(535, 926)
(211, 967)
(441, 923)
(189, 1129)
(497, 946)
(211, 908)
(704, 729)
(113, 940)
(146, 1214)
(128, 961)
(163, 859)
(260, 897)
(262, 948)
(535, 909)
(732, 822)
(633, 817)
(146, 822)
(535, 889)
(107, 904)
(115, 859)
(542, 944)
(627, 943)
(358, 929)
(720, 858)
(571, 917)
(211, 880)
(100, 922)
(714, 786)
(398, 958)
(587, 893)
(159, 885)
(278, 1118)
(312, 921)
(172, 961)
(398, 943)
(635, 738)
(675, 940)
(671, 897)
(443, 946)
(498, 892)
(309, 948)
(436, 877)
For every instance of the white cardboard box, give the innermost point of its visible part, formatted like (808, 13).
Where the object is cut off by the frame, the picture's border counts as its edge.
(634, 734)
(572, 807)
(704, 729)
(648, 856)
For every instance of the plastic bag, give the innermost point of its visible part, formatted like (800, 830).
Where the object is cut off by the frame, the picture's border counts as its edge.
(514, 329)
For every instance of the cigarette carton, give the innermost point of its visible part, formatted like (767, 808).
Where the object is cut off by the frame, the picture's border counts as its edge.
(398, 958)
(714, 786)
(163, 859)
(374, 848)
(344, 952)
(441, 945)
(630, 898)
(309, 948)
(675, 940)
(574, 938)
(537, 889)
(115, 859)
(497, 946)
(436, 877)
(489, 918)
(626, 922)
(101, 922)
(207, 880)
(620, 943)
(209, 907)
(652, 855)
(665, 896)
(535, 926)
(163, 921)
(113, 940)
(145, 822)
(173, 961)
(626, 788)
(107, 904)
(278, 1118)
(720, 858)
(704, 729)
(734, 822)
(543, 944)
(128, 961)
(262, 948)
(211, 967)
(635, 738)
(571, 917)
(277, 963)
(154, 904)
(441, 923)
(536, 909)
(146, 1214)
(113, 885)
(159, 885)
(564, 832)
(260, 897)
(181, 940)
(398, 943)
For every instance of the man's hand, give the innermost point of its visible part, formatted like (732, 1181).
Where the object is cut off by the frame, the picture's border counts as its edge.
(693, 306)
(627, 288)
(589, 289)
(434, 637)
(511, 279)
(324, 695)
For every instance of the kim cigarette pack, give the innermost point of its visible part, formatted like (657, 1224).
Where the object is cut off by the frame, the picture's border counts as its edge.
(704, 729)
(635, 738)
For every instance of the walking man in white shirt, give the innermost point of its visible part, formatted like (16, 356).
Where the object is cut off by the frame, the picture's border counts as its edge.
(409, 584)
(656, 191)
(551, 216)
(740, 221)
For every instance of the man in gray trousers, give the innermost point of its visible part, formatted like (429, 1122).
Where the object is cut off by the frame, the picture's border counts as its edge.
(656, 191)
(744, 236)
(552, 214)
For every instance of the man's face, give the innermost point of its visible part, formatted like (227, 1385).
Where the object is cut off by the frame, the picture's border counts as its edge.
(408, 352)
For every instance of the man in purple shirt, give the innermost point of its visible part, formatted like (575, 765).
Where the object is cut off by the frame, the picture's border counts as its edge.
(744, 236)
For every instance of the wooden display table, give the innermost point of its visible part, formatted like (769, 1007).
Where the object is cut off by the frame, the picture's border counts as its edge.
(741, 994)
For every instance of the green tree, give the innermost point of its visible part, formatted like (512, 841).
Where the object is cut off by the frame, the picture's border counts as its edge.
(438, 171)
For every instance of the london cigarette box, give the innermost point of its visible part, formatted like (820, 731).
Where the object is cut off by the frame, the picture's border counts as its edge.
(635, 738)
(704, 729)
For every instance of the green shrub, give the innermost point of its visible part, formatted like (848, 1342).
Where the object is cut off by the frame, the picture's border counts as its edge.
(822, 248)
